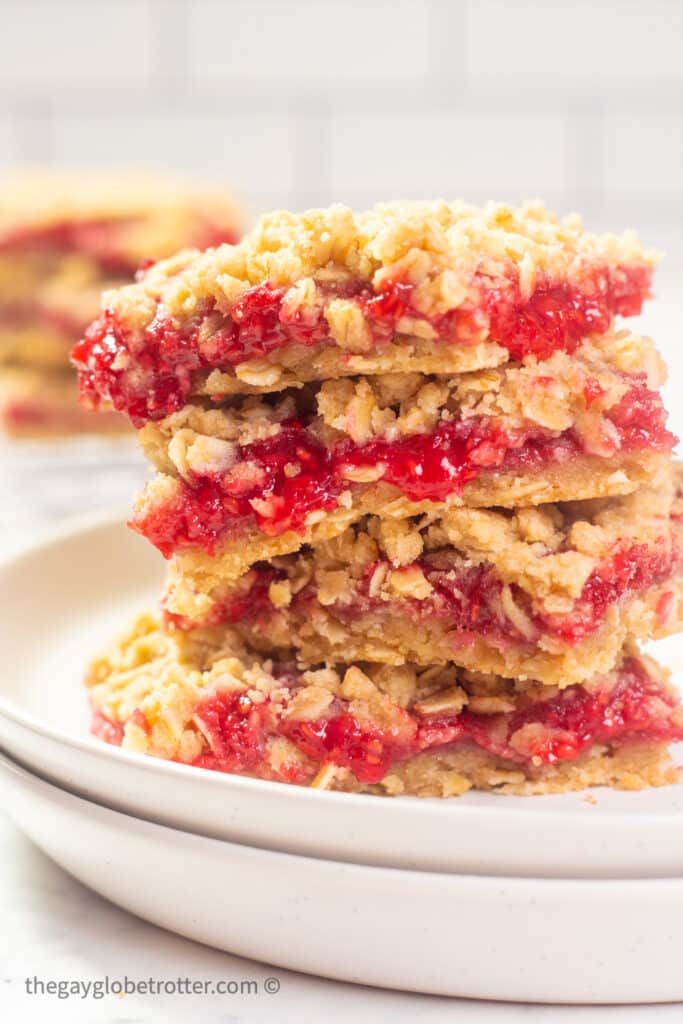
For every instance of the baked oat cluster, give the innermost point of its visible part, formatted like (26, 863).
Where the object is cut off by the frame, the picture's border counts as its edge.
(414, 483)
(63, 240)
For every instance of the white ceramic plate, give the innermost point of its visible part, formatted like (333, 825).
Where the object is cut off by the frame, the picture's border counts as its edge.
(68, 595)
(447, 934)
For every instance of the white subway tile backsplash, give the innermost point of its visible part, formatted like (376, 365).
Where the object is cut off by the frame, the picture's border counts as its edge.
(308, 40)
(299, 102)
(254, 153)
(623, 40)
(449, 153)
(9, 147)
(48, 44)
(643, 155)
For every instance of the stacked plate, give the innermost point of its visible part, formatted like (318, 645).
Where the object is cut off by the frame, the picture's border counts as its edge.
(548, 899)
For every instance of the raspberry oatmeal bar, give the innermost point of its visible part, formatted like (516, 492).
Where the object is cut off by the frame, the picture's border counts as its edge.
(548, 593)
(203, 699)
(411, 286)
(63, 239)
(415, 486)
(259, 476)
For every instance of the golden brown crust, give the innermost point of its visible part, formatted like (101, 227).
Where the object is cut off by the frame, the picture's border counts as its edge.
(150, 686)
(436, 242)
(452, 773)
(294, 366)
(320, 637)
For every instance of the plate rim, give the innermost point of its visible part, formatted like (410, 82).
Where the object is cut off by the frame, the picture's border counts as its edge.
(613, 885)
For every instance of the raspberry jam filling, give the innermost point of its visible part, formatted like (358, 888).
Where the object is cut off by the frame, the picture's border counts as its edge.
(149, 375)
(250, 602)
(279, 482)
(104, 729)
(239, 730)
(468, 601)
(629, 569)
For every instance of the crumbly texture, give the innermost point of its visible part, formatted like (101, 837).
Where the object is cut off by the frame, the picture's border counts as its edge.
(439, 245)
(454, 772)
(407, 362)
(558, 394)
(572, 405)
(44, 404)
(293, 366)
(508, 593)
(203, 572)
(149, 693)
(382, 637)
(318, 268)
(379, 389)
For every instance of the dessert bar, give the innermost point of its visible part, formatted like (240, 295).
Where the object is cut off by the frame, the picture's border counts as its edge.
(428, 287)
(260, 476)
(415, 487)
(202, 699)
(548, 592)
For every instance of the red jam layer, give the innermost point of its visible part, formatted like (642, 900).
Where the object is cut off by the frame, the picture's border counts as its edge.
(278, 482)
(468, 600)
(251, 604)
(149, 376)
(470, 603)
(105, 729)
(629, 569)
(544, 733)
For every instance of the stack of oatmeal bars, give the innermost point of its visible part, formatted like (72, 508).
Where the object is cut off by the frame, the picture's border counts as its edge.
(414, 482)
(63, 239)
